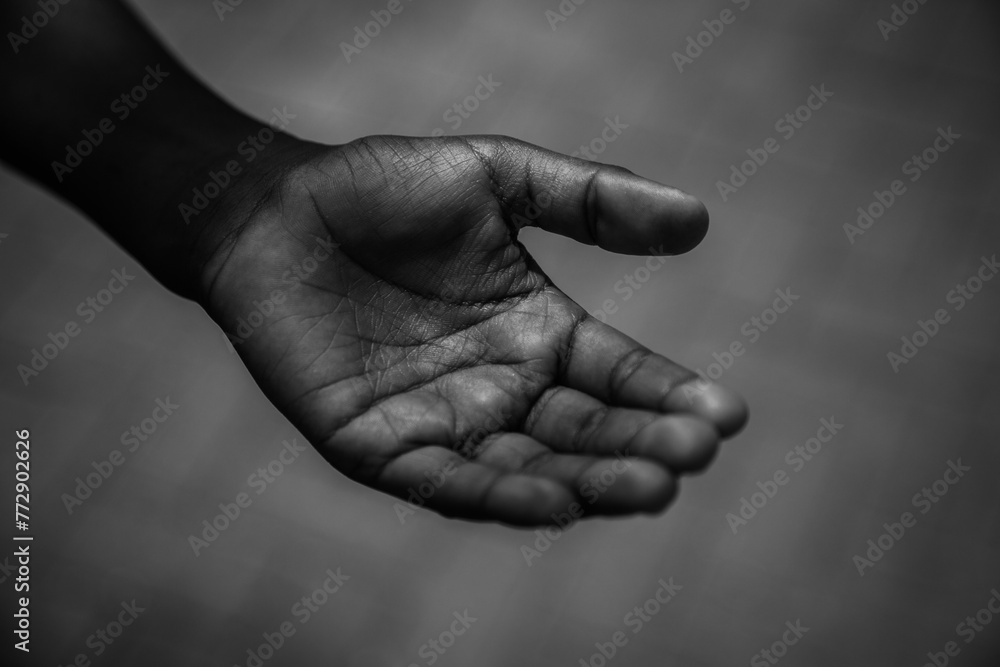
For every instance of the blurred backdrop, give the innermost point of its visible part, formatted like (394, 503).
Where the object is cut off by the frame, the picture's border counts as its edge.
(775, 536)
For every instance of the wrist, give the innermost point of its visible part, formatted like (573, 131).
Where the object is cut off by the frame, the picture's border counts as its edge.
(218, 199)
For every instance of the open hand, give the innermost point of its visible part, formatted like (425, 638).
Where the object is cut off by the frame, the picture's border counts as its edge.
(405, 331)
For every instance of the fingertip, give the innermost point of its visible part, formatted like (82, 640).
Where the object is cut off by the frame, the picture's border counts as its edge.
(639, 216)
(691, 222)
(720, 405)
(686, 443)
(637, 485)
(655, 487)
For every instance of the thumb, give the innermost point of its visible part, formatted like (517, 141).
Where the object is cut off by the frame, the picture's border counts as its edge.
(589, 202)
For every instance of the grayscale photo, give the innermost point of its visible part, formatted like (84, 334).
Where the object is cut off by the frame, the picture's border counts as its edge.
(412, 333)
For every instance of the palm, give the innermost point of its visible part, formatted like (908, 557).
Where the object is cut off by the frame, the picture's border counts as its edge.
(416, 341)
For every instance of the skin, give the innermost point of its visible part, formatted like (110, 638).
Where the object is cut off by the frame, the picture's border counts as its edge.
(416, 339)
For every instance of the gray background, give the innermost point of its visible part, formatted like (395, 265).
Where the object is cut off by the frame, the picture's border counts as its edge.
(826, 357)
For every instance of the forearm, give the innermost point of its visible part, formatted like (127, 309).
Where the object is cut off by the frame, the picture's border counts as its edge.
(99, 112)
